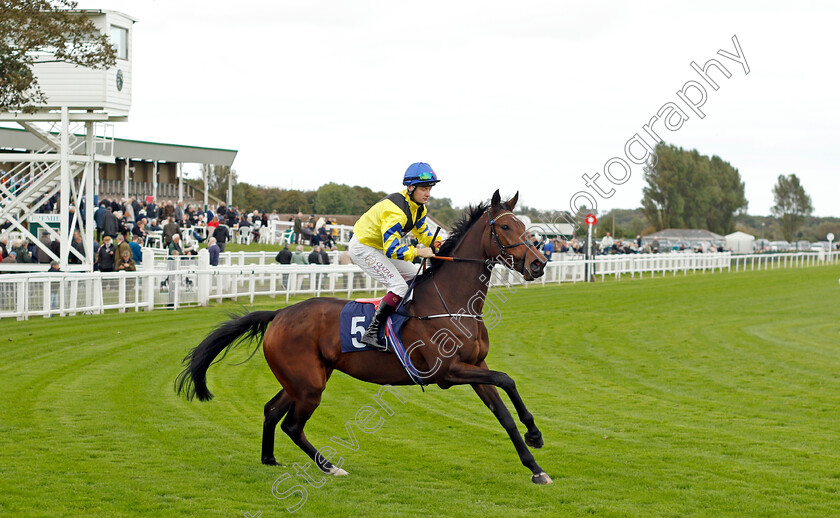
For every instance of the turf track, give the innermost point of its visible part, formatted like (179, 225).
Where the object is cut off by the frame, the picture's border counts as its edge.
(705, 395)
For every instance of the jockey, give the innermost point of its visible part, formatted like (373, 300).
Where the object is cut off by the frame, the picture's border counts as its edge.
(376, 249)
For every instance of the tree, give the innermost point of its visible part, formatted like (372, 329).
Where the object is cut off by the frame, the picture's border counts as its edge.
(688, 190)
(40, 31)
(442, 210)
(792, 204)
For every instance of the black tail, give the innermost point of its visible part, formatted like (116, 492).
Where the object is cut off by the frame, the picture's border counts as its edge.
(193, 379)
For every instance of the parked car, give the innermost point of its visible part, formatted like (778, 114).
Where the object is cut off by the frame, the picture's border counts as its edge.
(761, 245)
(803, 245)
(779, 246)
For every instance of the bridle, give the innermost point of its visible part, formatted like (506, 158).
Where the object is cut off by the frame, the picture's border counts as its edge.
(506, 258)
(495, 239)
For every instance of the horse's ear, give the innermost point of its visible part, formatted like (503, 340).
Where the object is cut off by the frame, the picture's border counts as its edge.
(496, 200)
(511, 203)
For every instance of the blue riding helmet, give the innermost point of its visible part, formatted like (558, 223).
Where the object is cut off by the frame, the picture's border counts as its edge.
(420, 173)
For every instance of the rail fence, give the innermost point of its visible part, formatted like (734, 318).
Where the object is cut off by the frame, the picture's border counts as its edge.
(173, 283)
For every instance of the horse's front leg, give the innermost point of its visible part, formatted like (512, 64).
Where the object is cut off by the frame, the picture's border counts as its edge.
(484, 382)
(533, 437)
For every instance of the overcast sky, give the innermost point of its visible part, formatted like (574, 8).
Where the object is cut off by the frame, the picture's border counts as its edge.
(524, 96)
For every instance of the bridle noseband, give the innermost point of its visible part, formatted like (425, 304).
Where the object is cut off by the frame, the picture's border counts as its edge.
(495, 239)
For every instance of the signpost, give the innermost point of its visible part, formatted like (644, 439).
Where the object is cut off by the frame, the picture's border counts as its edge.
(591, 220)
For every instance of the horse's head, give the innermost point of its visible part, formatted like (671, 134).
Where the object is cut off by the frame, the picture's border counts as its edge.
(507, 239)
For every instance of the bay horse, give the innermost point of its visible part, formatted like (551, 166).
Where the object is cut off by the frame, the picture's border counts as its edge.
(301, 342)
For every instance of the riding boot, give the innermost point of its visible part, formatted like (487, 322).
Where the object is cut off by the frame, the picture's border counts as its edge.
(371, 336)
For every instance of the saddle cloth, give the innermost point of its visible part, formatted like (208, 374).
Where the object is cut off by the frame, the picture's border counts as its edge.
(353, 322)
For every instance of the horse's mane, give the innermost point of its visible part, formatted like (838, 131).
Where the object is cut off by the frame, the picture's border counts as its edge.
(459, 229)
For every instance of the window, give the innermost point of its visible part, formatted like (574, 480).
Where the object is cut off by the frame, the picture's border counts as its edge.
(119, 39)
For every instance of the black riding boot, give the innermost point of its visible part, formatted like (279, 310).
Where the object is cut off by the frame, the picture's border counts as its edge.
(371, 337)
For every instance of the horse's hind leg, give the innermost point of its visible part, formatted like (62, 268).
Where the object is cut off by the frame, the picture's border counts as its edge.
(275, 409)
(293, 426)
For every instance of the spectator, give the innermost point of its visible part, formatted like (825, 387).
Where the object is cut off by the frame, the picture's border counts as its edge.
(140, 229)
(168, 210)
(130, 217)
(298, 227)
(137, 207)
(212, 224)
(151, 210)
(21, 250)
(154, 227)
(54, 269)
(214, 250)
(4, 250)
(77, 246)
(106, 255)
(110, 223)
(548, 249)
(126, 263)
(325, 257)
(10, 258)
(607, 242)
(136, 245)
(222, 234)
(170, 229)
(174, 246)
(315, 256)
(284, 256)
(122, 246)
(179, 213)
(299, 257)
(43, 256)
(97, 218)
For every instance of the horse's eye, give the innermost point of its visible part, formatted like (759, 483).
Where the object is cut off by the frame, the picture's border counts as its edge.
(505, 227)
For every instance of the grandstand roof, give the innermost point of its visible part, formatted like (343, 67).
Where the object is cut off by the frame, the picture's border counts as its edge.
(14, 138)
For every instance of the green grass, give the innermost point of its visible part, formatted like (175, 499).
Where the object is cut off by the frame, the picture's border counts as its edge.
(705, 395)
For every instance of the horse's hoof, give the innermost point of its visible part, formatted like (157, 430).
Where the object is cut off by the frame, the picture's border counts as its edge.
(271, 461)
(337, 472)
(534, 440)
(541, 478)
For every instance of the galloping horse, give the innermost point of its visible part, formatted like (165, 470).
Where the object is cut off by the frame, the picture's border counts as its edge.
(301, 342)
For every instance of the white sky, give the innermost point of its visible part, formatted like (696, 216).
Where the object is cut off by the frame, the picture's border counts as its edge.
(521, 96)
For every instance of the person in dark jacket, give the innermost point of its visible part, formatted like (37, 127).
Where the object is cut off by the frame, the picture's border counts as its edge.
(97, 218)
(170, 229)
(284, 256)
(315, 256)
(43, 257)
(214, 251)
(222, 234)
(110, 224)
(106, 255)
(325, 257)
(298, 226)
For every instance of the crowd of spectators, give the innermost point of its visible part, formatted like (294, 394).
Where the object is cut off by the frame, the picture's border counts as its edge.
(124, 226)
(608, 245)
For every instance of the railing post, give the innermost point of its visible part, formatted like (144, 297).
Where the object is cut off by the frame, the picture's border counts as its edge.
(203, 278)
(148, 280)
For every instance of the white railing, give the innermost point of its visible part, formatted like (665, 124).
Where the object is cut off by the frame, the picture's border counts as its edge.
(172, 283)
